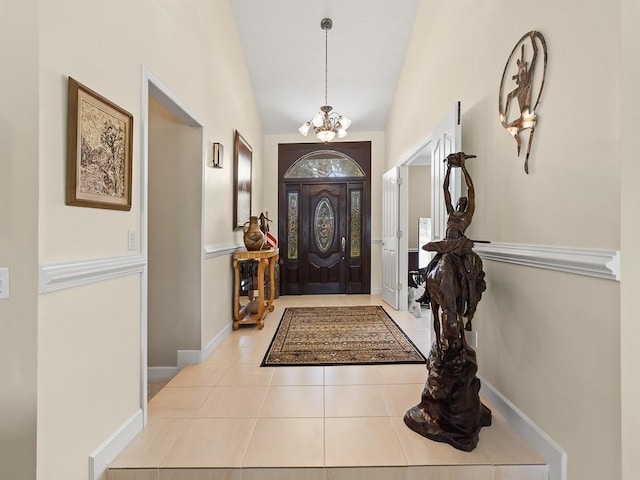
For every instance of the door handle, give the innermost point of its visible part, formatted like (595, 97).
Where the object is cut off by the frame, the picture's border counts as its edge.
(343, 243)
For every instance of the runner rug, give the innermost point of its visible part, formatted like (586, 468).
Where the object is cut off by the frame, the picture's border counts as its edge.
(339, 336)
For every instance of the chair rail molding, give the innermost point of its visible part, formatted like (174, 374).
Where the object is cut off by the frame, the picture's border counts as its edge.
(57, 276)
(221, 249)
(594, 263)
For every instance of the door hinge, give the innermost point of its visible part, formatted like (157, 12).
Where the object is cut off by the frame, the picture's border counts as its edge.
(399, 181)
(399, 234)
(399, 287)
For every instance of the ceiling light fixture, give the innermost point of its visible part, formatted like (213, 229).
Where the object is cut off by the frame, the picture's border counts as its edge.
(327, 124)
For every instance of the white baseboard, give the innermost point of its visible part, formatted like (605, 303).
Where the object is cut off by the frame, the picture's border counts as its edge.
(376, 291)
(188, 357)
(216, 341)
(100, 459)
(535, 437)
(161, 373)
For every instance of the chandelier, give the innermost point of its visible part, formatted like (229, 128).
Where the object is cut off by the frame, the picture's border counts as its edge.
(326, 124)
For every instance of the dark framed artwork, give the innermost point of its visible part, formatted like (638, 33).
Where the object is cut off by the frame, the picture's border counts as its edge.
(242, 158)
(99, 151)
(216, 158)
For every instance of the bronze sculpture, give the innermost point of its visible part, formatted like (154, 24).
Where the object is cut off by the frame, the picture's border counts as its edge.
(450, 410)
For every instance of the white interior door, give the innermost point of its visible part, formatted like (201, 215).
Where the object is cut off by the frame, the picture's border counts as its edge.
(390, 215)
(424, 236)
(445, 139)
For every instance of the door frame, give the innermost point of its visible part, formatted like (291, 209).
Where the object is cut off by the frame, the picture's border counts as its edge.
(359, 151)
(422, 153)
(152, 86)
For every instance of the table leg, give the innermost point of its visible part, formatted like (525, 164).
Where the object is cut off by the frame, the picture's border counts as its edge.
(272, 283)
(236, 294)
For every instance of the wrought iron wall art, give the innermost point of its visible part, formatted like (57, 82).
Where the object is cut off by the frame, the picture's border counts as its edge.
(523, 80)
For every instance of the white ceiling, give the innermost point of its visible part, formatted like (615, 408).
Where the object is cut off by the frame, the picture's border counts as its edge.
(284, 49)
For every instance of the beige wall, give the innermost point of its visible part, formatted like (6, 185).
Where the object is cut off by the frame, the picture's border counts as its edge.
(630, 199)
(378, 162)
(419, 199)
(18, 236)
(193, 49)
(549, 341)
(88, 371)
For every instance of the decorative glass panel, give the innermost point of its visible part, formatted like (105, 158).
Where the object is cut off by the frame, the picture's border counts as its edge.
(324, 224)
(356, 222)
(323, 164)
(292, 225)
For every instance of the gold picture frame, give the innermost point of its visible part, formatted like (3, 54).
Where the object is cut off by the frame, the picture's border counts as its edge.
(242, 159)
(99, 151)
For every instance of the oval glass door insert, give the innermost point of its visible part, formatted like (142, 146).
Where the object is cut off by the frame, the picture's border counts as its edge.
(324, 224)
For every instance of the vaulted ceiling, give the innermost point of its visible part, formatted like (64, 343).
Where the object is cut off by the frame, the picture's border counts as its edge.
(284, 47)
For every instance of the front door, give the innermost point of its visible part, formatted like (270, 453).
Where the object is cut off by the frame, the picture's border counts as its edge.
(323, 239)
(324, 218)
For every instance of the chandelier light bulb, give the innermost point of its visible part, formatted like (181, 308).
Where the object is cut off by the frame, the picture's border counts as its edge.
(325, 135)
(304, 129)
(318, 120)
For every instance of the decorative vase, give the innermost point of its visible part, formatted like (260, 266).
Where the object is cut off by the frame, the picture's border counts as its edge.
(253, 236)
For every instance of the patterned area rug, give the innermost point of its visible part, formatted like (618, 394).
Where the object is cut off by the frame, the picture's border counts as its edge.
(339, 336)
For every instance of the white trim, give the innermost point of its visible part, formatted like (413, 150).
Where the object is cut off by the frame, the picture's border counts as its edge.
(220, 249)
(153, 87)
(594, 263)
(376, 291)
(161, 373)
(534, 436)
(57, 276)
(216, 342)
(376, 241)
(144, 234)
(100, 459)
(188, 357)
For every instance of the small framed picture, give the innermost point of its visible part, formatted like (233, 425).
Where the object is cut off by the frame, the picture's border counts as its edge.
(218, 152)
(99, 150)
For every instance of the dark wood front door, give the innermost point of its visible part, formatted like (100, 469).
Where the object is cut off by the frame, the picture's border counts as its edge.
(323, 238)
(324, 218)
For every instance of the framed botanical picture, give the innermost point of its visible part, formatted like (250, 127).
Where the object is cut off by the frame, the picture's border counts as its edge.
(242, 158)
(99, 151)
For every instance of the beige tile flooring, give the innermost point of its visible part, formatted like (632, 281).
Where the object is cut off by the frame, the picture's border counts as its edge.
(228, 418)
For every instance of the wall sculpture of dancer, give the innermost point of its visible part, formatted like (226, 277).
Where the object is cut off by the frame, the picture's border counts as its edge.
(450, 410)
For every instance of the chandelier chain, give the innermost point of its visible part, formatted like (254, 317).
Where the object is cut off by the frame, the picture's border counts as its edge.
(326, 63)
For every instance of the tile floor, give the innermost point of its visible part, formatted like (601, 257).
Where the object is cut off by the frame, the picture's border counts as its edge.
(228, 418)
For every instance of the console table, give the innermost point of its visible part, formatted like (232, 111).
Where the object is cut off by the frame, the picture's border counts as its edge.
(258, 307)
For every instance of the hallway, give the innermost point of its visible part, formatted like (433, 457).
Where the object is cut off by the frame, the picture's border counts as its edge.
(228, 418)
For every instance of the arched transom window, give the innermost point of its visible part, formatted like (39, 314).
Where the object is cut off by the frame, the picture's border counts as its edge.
(324, 164)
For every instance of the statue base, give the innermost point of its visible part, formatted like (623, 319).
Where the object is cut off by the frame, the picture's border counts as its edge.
(450, 410)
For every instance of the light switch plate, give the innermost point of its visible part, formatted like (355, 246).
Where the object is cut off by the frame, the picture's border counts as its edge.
(131, 239)
(4, 283)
